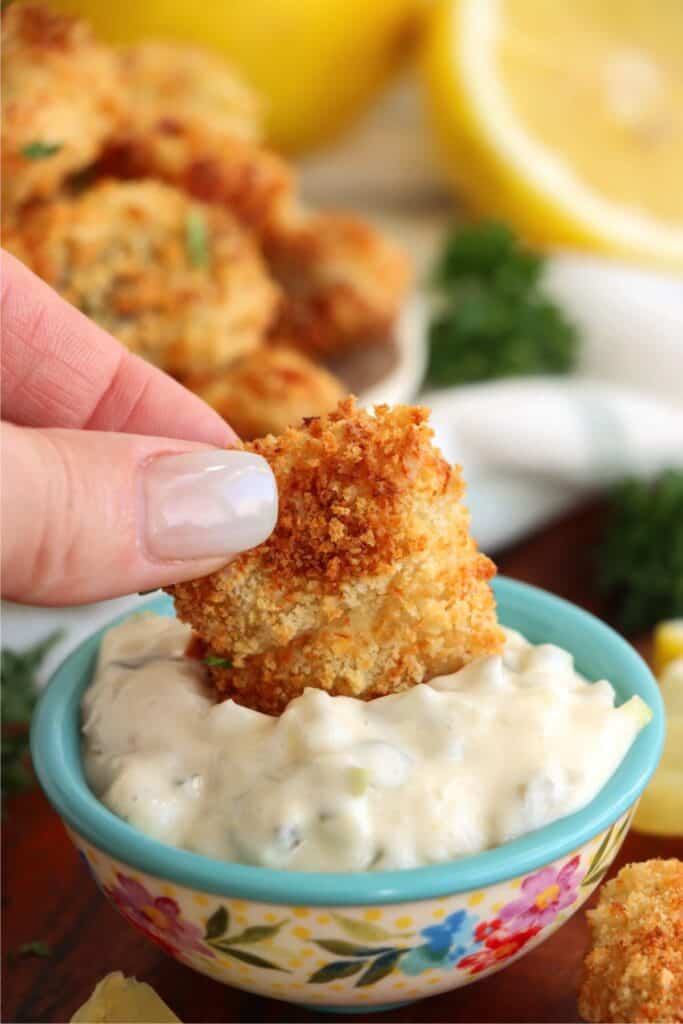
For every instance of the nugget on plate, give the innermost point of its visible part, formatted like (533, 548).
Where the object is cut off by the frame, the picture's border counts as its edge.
(370, 582)
(268, 390)
(62, 98)
(167, 81)
(634, 971)
(176, 281)
(241, 175)
(343, 280)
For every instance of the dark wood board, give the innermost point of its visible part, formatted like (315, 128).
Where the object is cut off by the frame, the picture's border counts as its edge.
(47, 895)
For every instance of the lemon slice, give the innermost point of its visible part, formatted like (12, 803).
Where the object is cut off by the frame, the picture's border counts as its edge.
(673, 750)
(567, 119)
(668, 642)
(660, 811)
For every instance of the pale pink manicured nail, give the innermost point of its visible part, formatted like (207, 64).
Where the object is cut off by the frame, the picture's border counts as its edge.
(208, 504)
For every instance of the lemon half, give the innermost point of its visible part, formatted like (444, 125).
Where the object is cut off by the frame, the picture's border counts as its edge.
(566, 119)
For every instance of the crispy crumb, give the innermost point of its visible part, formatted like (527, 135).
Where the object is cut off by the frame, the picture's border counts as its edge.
(634, 971)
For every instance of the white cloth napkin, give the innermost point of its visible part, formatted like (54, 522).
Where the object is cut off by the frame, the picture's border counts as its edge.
(531, 447)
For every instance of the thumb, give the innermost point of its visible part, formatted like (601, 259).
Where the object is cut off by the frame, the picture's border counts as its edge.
(89, 515)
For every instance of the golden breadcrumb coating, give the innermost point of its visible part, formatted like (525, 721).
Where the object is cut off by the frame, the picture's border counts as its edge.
(246, 178)
(176, 281)
(370, 582)
(62, 98)
(343, 281)
(268, 390)
(169, 80)
(634, 971)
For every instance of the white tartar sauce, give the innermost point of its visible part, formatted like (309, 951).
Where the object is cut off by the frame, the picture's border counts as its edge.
(445, 769)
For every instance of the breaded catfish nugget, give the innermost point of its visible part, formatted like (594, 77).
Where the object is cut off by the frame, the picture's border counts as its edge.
(244, 177)
(634, 971)
(168, 81)
(343, 281)
(370, 582)
(176, 281)
(268, 390)
(62, 98)
(193, 123)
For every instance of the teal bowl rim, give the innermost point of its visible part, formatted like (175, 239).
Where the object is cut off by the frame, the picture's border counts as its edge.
(55, 747)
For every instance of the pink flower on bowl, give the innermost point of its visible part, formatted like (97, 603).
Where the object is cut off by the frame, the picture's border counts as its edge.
(157, 916)
(543, 896)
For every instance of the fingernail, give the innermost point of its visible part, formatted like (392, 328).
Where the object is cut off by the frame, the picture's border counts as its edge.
(208, 504)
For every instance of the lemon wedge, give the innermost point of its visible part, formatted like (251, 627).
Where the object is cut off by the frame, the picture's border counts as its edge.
(667, 644)
(660, 810)
(117, 998)
(671, 686)
(566, 119)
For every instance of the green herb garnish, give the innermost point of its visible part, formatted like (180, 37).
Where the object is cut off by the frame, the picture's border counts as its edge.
(40, 150)
(492, 318)
(640, 556)
(217, 662)
(196, 239)
(35, 948)
(18, 671)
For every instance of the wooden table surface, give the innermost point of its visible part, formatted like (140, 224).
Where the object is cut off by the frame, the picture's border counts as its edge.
(47, 895)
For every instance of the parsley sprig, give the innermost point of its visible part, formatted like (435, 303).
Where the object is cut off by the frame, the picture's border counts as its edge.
(640, 557)
(493, 319)
(38, 150)
(18, 673)
(197, 239)
(216, 661)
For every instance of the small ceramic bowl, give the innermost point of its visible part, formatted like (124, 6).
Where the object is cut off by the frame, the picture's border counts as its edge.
(358, 941)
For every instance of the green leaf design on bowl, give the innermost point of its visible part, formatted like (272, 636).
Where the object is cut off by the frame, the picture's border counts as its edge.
(343, 948)
(363, 930)
(335, 970)
(217, 924)
(380, 967)
(249, 958)
(255, 933)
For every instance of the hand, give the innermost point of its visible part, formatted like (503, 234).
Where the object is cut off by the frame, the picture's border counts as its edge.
(115, 478)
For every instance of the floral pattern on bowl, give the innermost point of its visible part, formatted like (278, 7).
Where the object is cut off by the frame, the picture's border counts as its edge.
(354, 956)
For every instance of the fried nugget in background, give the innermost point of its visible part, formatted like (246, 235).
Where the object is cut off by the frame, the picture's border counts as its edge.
(247, 179)
(169, 81)
(176, 281)
(268, 390)
(370, 582)
(62, 98)
(634, 971)
(343, 281)
(193, 123)
(180, 116)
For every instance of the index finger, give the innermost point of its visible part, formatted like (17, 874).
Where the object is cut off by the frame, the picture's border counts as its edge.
(59, 369)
